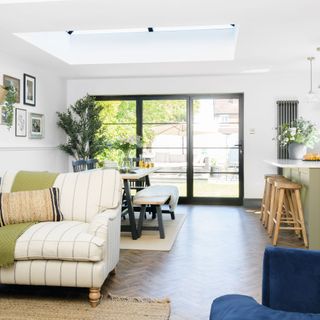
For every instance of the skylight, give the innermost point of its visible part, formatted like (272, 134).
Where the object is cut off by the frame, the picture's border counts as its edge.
(138, 45)
(154, 29)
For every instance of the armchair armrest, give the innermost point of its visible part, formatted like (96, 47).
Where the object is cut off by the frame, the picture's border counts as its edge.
(99, 225)
(291, 280)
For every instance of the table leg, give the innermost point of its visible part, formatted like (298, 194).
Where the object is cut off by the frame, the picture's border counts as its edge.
(152, 208)
(148, 181)
(132, 220)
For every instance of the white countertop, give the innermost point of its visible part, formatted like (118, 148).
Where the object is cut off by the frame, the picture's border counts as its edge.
(286, 163)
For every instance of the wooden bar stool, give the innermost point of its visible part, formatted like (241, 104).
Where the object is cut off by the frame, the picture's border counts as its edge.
(271, 208)
(266, 200)
(289, 213)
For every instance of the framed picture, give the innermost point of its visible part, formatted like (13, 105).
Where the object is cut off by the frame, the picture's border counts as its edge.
(21, 122)
(36, 126)
(9, 81)
(2, 116)
(29, 90)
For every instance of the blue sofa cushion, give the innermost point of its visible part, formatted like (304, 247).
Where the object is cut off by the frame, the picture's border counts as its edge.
(239, 307)
(291, 280)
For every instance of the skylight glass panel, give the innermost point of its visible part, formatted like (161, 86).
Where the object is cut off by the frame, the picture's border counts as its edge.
(138, 45)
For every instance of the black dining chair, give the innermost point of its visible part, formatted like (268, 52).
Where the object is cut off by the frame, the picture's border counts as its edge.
(91, 164)
(79, 165)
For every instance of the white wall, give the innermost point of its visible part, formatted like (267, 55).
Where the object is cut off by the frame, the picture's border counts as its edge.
(260, 95)
(23, 153)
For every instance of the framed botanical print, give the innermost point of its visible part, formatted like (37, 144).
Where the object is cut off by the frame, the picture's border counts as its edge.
(29, 90)
(9, 81)
(21, 122)
(36, 126)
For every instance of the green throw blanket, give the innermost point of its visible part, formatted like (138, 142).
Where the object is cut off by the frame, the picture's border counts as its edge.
(32, 180)
(9, 235)
(23, 181)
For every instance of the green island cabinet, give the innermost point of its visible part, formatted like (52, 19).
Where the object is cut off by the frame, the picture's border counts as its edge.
(307, 173)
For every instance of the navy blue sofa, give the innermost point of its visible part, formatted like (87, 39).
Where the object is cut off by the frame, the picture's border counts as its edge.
(290, 289)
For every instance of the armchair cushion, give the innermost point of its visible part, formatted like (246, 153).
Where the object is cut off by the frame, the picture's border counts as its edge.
(239, 307)
(66, 240)
(30, 206)
(291, 279)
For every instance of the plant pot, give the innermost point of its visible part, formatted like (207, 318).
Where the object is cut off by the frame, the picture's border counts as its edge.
(296, 151)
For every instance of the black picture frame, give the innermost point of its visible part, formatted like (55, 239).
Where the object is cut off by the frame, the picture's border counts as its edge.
(20, 122)
(29, 90)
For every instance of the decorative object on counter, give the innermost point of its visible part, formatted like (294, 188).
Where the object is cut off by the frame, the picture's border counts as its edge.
(8, 82)
(83, 126)
(21, 122)
(36, 126)
(29, 90)
(311, 157)
(8, 108)
(298, 135)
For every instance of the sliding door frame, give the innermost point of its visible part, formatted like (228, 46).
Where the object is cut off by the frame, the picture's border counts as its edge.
(189, 199)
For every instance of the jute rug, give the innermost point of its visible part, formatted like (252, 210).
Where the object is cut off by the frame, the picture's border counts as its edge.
(110, 308)
(150, 240)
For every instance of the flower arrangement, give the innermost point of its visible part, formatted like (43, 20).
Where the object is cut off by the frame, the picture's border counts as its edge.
(125, 144)
(299, 131)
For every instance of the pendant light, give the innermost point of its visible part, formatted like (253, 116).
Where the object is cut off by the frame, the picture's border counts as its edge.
(312, 96)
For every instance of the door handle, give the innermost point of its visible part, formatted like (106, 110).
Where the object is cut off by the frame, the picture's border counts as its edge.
(240, 148)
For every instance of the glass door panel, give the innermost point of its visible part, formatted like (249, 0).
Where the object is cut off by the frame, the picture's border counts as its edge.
(119, 121)
(215, 148)
(164, 129)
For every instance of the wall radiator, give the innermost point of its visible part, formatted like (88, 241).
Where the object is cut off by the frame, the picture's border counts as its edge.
(287, 111)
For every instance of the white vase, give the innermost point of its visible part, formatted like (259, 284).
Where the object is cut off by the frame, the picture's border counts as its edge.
(296, 151)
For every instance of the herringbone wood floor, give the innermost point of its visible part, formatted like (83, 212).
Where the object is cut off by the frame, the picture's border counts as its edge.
(218, 251)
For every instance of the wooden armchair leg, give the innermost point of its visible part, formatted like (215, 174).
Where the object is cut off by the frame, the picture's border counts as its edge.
(113, 272)
(94, 296)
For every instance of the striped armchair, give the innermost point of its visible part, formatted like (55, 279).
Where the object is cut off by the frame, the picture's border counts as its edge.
(79, 251)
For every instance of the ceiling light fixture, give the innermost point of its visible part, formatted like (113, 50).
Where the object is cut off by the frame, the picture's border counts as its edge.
(311, 96)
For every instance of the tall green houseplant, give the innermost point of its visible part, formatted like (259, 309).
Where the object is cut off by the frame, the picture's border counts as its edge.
(83, 127)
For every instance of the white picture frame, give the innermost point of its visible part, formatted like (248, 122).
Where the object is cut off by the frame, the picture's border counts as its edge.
(36, 126)
(20, 122)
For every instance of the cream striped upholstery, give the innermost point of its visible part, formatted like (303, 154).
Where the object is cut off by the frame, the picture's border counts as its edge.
(84, 194)
(89, 235)
(66, 240)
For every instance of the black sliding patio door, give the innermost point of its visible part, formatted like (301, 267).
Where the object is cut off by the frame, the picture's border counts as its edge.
(196, 141)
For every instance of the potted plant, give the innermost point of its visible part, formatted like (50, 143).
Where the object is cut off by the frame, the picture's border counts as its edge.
(83, 127)
(298, 135)
(8, 95)
(126, 144)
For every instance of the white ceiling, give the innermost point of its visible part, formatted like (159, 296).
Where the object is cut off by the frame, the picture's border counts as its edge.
(273, 34)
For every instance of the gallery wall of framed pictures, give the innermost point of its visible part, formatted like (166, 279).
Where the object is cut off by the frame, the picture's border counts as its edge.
(26, 123)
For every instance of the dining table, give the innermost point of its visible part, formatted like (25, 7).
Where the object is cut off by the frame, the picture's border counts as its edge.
(134, 175)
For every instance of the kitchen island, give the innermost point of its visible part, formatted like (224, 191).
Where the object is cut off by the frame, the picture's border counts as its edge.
(306, 173)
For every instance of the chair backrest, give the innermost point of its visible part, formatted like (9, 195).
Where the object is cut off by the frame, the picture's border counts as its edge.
(79, 165)
(91, 164)
(84, 194)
